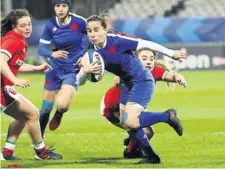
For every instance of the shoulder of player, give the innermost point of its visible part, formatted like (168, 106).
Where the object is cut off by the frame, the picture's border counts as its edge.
(78, 17)
(51, 21)
(157, 68)
(11, 40)
(120, 36)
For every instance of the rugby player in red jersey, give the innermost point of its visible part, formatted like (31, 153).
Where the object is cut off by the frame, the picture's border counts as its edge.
(15, 28)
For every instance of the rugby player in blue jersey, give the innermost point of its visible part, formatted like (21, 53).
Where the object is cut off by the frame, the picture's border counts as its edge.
(66, 31)
(117, 52)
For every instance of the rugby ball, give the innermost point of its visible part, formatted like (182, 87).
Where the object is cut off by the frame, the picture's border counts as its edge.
(90, 57)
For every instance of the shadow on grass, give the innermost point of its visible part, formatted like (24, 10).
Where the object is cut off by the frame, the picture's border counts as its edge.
(83, 161)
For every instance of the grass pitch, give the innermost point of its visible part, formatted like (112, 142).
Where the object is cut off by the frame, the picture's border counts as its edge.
(87, 140)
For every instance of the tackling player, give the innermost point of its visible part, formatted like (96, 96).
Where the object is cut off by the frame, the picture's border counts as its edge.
(109, 107)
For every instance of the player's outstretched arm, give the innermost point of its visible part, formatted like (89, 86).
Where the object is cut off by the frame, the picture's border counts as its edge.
(32, 68)
(175, 54)
(176, 78)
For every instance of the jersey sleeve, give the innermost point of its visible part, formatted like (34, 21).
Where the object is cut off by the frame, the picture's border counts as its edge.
(155, 47)
(10, 47)
(159, 73)
(46, 36)
(127, 43)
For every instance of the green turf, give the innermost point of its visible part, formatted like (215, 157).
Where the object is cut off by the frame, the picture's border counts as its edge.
(88, 141)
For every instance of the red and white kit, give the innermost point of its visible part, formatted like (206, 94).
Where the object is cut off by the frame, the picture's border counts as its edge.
(15, 47)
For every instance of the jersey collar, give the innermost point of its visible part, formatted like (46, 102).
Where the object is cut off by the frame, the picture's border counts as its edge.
(57, 21)
(104, 45)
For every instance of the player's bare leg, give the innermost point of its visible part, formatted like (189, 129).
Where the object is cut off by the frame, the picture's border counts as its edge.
(63, 100)
(14, 130)
(24, 111)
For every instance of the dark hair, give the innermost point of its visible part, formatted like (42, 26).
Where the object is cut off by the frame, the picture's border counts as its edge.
(11, 20)
(101, 18)
(68, 2)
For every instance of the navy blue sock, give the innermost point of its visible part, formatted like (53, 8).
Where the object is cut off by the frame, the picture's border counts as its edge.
(44, 115)
(44, 118)
(142, 141)
(149, 118)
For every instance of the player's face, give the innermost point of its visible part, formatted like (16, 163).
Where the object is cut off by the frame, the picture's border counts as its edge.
(96, 32)
(24, 26)
(147, 58)
(61, 10)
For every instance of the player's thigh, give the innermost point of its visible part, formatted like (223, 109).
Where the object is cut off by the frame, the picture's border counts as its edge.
(141, 93)
(65, 94)
(49, 96)
(22, 108)
(133, 111)
(138, 99)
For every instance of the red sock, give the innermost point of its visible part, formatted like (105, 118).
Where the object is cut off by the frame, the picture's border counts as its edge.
(7, 151)
(131, 145)
(40, 151)
(39, 147)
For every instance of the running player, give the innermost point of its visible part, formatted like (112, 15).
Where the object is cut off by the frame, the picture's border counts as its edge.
(15, 28)
(116, 50)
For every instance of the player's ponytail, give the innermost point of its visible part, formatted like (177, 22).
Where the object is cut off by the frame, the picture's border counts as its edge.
(11, 19)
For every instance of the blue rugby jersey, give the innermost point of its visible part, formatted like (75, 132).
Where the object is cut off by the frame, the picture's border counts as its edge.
(69, 37)
(119, 59)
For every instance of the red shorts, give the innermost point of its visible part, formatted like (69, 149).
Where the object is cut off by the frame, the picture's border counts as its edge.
(109, 107)
(8, 96)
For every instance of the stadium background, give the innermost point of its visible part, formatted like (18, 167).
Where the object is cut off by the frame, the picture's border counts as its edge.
(87, 140)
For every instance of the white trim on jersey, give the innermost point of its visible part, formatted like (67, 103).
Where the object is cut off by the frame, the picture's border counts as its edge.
(164, 75)
(45, 41)
(123, 36)
(155, 47)
(78, 16)
(81, 77)
(104, 45)
(57, 21)
(6, 52)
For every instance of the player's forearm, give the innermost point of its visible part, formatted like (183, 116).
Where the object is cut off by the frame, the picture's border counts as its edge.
(27, 68)
(155, 47)
(5, 70)
(44, 51)
(169, 77)
(81, 77)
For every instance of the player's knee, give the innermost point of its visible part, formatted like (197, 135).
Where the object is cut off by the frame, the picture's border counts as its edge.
(130, 122)
(33, 115)
(47, 106)
(62, 106)
(62, 109)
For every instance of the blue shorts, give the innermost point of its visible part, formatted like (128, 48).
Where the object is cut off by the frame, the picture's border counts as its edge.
(54, 79)
(140, 92)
